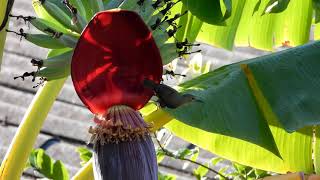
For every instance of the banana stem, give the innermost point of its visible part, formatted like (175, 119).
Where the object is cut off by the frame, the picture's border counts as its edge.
(14, 162)
(3, 33)
(157, 118)
(85, 173)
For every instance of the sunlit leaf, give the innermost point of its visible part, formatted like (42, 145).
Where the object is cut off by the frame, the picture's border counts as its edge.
(160, 155)
(189, 24)
(44, 164)
(85, 155)
(261, 173)
(206, 10)
(194, 156)
(216, 160)
(317, 31)
(246, 26)
(59, 171)
(295, 148)
(271, 30)
(182, 153)
(47, 166)
(223, 36)
(284, 90)
(166, 176)
(201, 171)
(223, 170)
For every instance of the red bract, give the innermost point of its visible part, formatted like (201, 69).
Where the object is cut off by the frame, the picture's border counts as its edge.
(114, 54)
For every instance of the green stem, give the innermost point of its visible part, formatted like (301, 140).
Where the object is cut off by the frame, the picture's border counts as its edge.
(3, 35)
(14, 162)
(85, 173)
(3, 9)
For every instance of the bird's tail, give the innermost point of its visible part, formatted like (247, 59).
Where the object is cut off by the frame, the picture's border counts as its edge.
(149, 84)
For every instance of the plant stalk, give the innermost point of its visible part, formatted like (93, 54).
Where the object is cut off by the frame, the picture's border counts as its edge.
(3, 25)
(3, 35)
(22, 144)
(85, 173)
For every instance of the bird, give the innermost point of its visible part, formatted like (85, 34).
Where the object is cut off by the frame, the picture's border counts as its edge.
(169, 97)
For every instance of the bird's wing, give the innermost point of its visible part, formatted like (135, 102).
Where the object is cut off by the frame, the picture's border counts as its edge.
(164, 91)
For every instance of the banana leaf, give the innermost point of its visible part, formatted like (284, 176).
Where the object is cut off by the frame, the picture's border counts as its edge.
(249, 25)
(249, 105)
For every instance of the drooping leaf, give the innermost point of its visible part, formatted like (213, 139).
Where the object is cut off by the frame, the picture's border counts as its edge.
(220, 113)
(284, 87)
(295, 148)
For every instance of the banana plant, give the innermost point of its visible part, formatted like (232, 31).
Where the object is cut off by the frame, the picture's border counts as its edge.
(249, 108)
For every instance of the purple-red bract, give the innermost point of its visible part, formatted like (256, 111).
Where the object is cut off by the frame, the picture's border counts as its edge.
(115, 53)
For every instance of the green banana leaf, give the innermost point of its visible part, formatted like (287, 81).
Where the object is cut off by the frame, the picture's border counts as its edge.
(249, 26)
(280, 90)
(295, 148)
